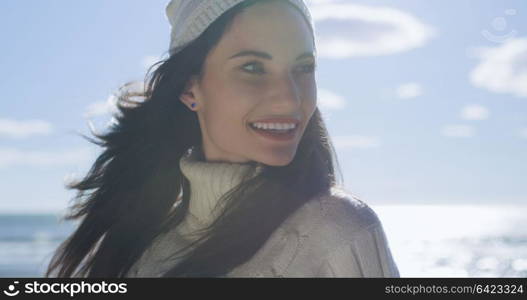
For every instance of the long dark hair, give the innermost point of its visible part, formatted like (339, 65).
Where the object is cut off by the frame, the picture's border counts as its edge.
(135, 190)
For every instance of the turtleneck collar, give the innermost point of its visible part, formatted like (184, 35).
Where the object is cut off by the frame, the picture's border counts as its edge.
(209, 181)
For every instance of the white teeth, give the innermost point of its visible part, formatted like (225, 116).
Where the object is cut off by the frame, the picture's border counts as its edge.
(276, 126)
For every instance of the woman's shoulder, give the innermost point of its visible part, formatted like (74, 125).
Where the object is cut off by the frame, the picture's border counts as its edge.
(348, 211)
(340, 235)
(337, 213)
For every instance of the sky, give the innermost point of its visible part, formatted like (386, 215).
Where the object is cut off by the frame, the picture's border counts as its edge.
(425, 101)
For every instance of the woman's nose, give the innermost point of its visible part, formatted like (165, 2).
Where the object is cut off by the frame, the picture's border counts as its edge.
(287, 92)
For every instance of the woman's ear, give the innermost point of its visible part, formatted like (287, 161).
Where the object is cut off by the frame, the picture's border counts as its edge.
(188, 96)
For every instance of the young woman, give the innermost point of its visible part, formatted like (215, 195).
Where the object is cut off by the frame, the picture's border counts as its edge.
(226, 167)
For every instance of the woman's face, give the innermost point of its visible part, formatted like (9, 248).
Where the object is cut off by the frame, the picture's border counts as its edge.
(238, 89)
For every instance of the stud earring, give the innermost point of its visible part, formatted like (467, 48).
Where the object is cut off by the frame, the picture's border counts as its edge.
(193, 105)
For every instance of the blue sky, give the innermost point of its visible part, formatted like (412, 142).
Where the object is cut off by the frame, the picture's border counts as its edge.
(426, 100)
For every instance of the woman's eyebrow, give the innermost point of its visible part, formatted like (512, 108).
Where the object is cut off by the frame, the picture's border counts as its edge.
(266, 55)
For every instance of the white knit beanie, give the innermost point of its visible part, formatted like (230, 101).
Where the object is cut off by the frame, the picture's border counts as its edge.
(189, 18)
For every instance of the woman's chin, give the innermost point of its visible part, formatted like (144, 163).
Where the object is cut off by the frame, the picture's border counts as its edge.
(276, 160)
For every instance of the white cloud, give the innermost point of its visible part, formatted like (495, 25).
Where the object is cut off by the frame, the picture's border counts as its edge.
(457, 131)
(474, 112)
(134, 87)
(409, 90)
(102, 108)
(16, 157)
(149, 60)
(502, 69)
(351, 30)
(356, 141)
(102, 114)
(328, 100)
(24, 129)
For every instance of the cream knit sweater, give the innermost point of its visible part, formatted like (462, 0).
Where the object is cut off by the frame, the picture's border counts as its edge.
(335, 235)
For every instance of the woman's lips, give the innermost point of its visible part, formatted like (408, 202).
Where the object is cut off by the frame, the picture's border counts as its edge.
(286, 136)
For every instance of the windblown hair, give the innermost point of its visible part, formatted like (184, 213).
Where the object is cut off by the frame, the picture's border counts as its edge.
(135, 190)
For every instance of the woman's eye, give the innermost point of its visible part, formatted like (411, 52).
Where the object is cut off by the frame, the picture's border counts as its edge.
(308, 68)
(258, 70)
(251, 64)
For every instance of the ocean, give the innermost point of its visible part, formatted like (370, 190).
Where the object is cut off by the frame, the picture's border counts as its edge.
(426, 240)
(28, 241)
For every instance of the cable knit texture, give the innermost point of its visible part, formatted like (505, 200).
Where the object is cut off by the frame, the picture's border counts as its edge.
(217, 178)
(334, 235)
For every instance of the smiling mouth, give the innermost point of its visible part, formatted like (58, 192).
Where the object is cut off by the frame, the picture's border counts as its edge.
(279, 135)
(277, 131)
